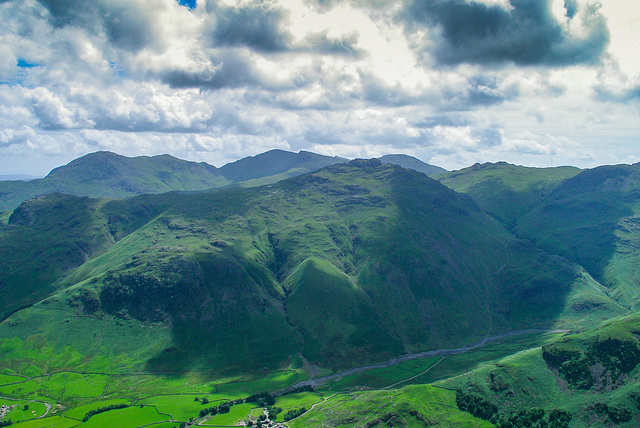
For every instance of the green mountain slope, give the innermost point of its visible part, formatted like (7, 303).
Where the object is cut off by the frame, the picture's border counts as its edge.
(589, 217)
(276, 165)
(592, 219)
(105, 171)
(593, 375)
(354, 263)
(504, 190)
(410, 162)
(106, 174)
(47, 237)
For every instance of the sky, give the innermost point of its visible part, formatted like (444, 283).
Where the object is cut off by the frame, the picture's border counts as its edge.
(452, 82)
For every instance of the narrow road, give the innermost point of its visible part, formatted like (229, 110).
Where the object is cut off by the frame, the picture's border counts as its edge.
(315, 382)
(416, 376)
(49, 407)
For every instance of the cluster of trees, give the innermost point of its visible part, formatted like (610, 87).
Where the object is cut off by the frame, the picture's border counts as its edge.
(616, 414)
(5, 423)
(222, 408)
(476, 405)
(616, 355)
(258, 424)
(306, 388)
(532, 418)
(263, 399)
(292, 414)
(536, 418)
(103, 409)
(273, 412)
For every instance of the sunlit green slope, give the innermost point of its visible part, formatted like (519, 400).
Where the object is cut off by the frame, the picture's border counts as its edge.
(594, 375)
(504, 190)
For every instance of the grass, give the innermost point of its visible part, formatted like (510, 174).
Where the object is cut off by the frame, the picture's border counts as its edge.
(527, 379)
(175, 396)
(237, 413)
(412, 406)
(385, 377)
(296, 401)
(260, 267)
(183, 407)
(130, 417)
(72, 386)
(18, 412)
(5, 379)
(504, 190)
(48, 422)
(80, 411)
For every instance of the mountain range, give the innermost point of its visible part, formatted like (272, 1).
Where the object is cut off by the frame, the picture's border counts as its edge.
(109, 175)
(307, 264)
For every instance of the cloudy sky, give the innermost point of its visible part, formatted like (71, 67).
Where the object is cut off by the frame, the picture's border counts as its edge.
(453, 82)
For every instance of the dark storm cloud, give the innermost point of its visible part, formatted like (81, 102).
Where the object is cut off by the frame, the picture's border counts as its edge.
(125, 26)
(257, 26)
(71, 12)
(263, 28)
(232, 70)
(571, 6)
(525, 34)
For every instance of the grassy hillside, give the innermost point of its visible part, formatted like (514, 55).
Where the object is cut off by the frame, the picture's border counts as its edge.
(504, 190)
(592, 220)
(388, 259)
(280, 163)
(588, 217)
(106, 174)
(410, 162)
(593, 375)
(160, 299)
(413, 406)
(47, 237)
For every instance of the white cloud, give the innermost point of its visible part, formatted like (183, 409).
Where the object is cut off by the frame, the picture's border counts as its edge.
(346, 79)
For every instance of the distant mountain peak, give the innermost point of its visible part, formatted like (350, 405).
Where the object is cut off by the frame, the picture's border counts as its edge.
(411, 162)
(276, 162)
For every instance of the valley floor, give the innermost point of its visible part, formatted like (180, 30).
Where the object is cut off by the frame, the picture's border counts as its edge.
(376, 395)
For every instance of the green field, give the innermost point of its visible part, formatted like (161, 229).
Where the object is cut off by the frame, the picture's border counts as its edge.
(174, 398)
(49, 422)
(296, 401)
(130, 417)
(410, 406)
(238, 413)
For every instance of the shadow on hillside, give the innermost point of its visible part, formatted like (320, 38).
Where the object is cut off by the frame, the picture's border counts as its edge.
(227, 325)
(475, 277)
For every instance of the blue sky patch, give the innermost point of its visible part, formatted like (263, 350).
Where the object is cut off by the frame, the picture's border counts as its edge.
(26, 64)
(191, 4)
